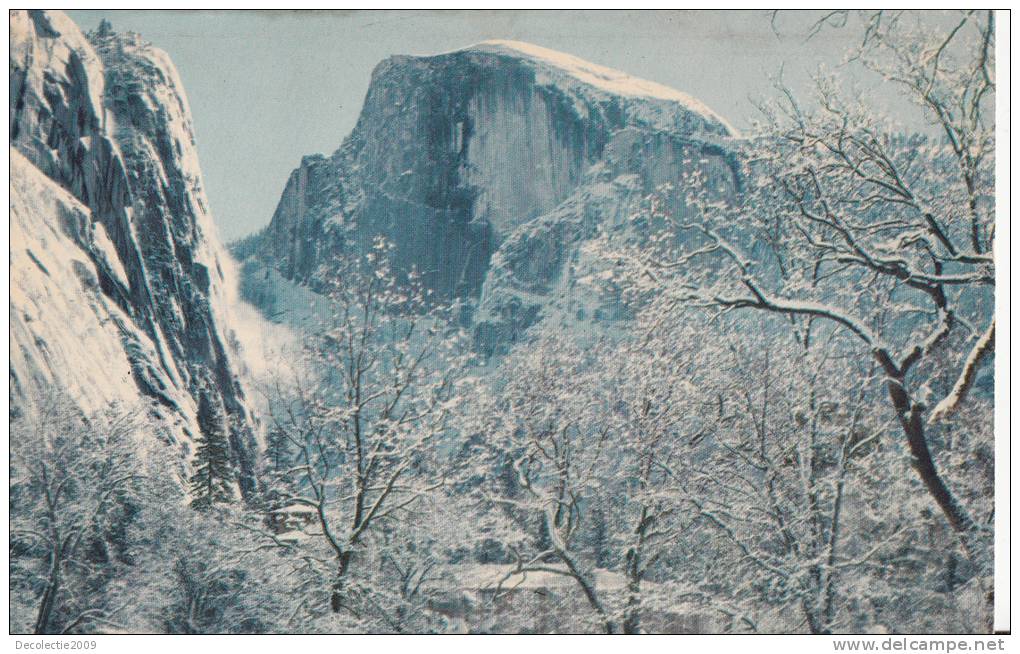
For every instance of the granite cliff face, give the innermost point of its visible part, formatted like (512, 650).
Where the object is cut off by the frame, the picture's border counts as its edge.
(120, 290)
(488, 168)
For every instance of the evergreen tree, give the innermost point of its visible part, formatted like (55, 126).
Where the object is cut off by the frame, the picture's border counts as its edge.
(213, 479)
(278, 451)
(279, 458)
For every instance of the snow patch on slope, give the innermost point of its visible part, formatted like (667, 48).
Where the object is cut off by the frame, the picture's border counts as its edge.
(65, 333)
(109, 252)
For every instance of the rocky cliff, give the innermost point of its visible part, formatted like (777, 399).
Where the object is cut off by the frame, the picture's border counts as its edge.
(488, 168)
(120, 290)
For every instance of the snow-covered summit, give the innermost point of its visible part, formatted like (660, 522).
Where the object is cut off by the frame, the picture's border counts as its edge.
(600, 77)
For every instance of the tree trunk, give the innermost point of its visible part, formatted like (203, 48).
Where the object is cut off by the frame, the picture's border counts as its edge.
(632, 620)
(632, 616)
(913, 426)
(814, 624)
(336, 598)
(49, 598)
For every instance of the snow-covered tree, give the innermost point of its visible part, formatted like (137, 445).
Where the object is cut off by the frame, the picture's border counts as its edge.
(536, 450)
(103, 537)
(364, 417)
(205, 574)
(213, 480)
(844, 224)
(76, 483)
(792, 479)
(584, 455)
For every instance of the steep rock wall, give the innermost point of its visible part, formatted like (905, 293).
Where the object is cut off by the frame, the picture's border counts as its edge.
(471, 160)
(109, 177)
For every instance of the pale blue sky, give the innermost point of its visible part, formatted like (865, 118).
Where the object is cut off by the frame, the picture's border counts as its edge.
(266, 88)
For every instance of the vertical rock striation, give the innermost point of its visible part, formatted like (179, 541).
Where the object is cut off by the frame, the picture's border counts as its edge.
(120, 287)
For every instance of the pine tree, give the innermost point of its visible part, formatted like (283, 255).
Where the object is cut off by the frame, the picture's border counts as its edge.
(279, 457)
(213, 479)
(278, 451)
